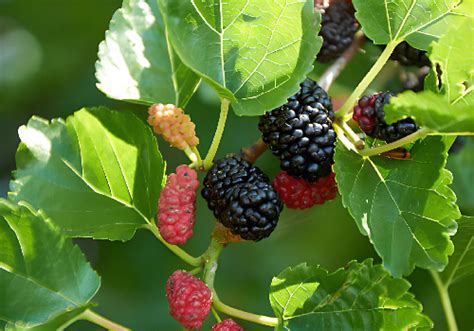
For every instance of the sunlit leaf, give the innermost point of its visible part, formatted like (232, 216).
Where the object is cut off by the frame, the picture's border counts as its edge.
(360, 296)
(253, 53)
(44, 278)
(136, 62)
(98, 174)
(405, 207)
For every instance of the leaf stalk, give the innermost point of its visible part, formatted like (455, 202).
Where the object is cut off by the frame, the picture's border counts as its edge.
(99, 320)
(445, 301)
(367, 80)
(218, 135)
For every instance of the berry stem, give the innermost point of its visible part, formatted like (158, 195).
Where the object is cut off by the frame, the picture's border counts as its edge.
(330, 75)
(211, 263)
(354, 137)
(191, 154)
(445, 301)
(369, 77)
(218, 135)
(182, 254)
(396, 144)
(216, 315)
(95, 318)
(231, 311)
(342, 137)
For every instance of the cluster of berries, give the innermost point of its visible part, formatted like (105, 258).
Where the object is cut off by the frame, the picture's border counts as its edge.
(190, 301)
(300, 133)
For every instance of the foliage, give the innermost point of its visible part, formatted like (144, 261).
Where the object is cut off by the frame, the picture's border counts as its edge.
(98, 173)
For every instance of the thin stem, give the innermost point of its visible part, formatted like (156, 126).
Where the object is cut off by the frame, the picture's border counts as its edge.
(182, 254)
(369, 77)
(358, 143)
(330, 75)
(216, 315)
(211, 263)
(95, 318)
(191, 154)
(218, 135)
(343, 139)
(396, 144)
(259, 319)
(445, 301)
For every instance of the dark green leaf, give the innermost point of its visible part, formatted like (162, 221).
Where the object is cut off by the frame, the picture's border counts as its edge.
(136, 62)
(44, 279)
(253, 53)
(98, 174)
(461, 264)
(417, 21)
(405, 207)
(432, 111)
(360, 296)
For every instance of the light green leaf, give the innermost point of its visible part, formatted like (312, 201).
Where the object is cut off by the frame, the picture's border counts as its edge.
(360, 296)
(453, 54)
(253, 53)
(432, 111)
(463, 176)
(136, 61)
(417, 21)
(44, 279)
(97, 175)
(461, 264)
(405, 207)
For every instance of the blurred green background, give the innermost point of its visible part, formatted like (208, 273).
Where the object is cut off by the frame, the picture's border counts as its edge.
(47, 55)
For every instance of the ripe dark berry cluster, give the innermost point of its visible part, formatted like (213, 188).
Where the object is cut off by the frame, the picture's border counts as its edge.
(409, 56)
(189, 299)
(370, 116)
(300, 133)
(176, 207)
(227, 325)
(338, 27)
(241, 198)
(300, 194)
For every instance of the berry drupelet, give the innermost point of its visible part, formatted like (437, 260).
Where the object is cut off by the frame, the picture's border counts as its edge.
(338, 27)
(241, 198)
(407, 55)
(300, 133)
(300, 194)
(189, 299)
(369, 114)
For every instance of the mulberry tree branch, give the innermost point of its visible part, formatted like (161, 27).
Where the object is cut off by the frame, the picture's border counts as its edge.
(330, 75)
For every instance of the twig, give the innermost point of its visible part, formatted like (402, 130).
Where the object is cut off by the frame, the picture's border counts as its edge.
(253, 152)
(328, 77)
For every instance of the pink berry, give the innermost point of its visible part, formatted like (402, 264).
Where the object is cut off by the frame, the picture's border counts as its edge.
(189, 298)
(227, 325)
(300, 194)
(176, 207)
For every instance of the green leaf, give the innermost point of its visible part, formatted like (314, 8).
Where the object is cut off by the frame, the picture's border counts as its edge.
(461, 264)
(97, 175)
(44, 278)
(136, 61)
(432, 111)
(253, 53)
(463, 176)
(453, 55)
(405, 207)
(360, 296)
(417, 21)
